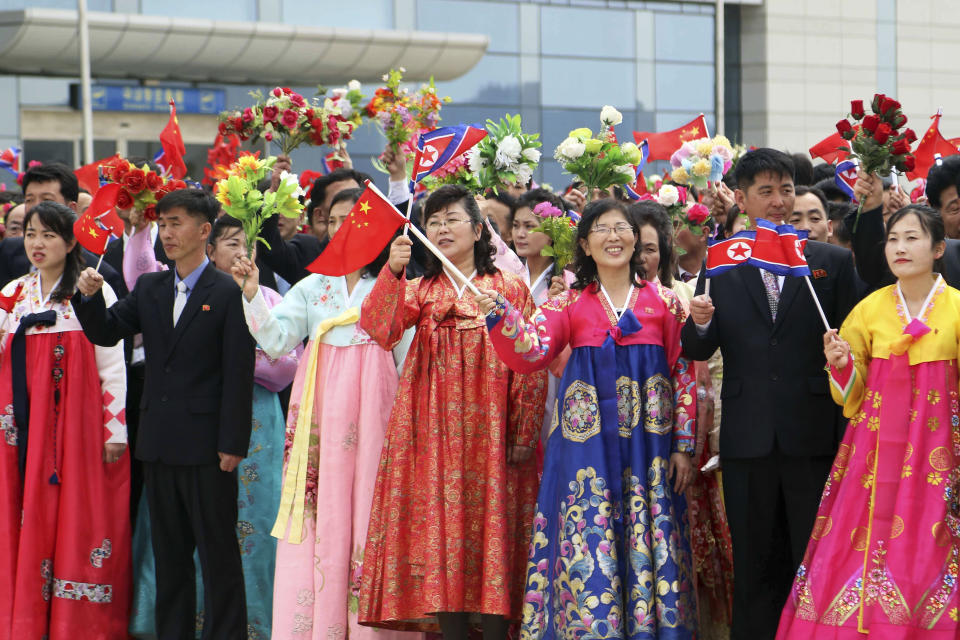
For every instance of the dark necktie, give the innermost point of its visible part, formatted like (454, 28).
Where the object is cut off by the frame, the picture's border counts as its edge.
(18, 358)
(686, 276)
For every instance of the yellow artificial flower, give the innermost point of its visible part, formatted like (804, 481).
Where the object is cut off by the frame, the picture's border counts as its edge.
(680, 175)
(592, 145)
(701, 168)
(704, 147)
(582, 134)
(721, 141)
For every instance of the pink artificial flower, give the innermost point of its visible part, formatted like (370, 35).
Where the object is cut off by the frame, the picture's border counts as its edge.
(248, 115)
(546, 210)
(297, 99)
(277, 92)
(697, 214)
(683, 194)
(647, 196)
(270, 113)
(290, 118)
(268, 136)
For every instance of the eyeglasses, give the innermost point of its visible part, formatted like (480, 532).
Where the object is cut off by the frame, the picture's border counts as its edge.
(449, 223)
(621, 229)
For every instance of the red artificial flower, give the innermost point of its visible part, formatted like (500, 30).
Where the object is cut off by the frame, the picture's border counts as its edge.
(845, 129)
(875, 103)
(154, 181)
(910, 136)
(883, 133)
(222, 128)
(682, 191)
(238, 123)
(309, 114)
(150, 212)
(888, 105)
(856, 109)
(371, 110)
(910, 163)
(898, 120)
(871, 122)
(176, 185)
(297, 99)
(287, 90)
(248, 115)
(135, 181)
(277, 92)
(268, 136)
(270, 113)
(901, 147)
(124, 199)
(119, 171)
(697, 214)
(162, 192)
(290, 118)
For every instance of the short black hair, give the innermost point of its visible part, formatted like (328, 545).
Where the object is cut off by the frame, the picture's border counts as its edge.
(802, 190)
(196, 202)
(502, 197)
(54, 172)
(823, 171)
(347, 194)
(220, 227)
(941, 177)
(759, 161)
(320, 185)
(802, 169)
(531, 199)
(839, 210)
(830, 190)
(10, 196)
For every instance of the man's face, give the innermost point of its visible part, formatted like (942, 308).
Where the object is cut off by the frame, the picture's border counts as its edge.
(808, 215)
(14, 222)
(950, 211)
(38, 192)
(769, 197)
(498, 212)
(182, 234)
(319, 223)
(333, 189)
(288, 226)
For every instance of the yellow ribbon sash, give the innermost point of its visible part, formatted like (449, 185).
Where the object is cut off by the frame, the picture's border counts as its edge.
(293, 495)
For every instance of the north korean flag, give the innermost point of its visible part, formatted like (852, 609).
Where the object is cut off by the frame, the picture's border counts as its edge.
(438, 147)
(779, 249)
(726, 254)
(639, 186)
(847, 176)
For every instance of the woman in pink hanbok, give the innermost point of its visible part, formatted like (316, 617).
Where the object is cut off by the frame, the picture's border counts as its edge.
(883, 556)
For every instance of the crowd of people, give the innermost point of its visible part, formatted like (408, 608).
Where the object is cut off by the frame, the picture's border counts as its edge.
(201, 444)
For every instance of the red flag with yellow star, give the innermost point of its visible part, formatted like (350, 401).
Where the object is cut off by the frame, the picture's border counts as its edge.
(929, 145)
(173, 150)
(94, 228)
(663, 144)
(370, 226)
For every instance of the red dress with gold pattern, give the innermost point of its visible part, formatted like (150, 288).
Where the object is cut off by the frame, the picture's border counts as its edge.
(451, 519)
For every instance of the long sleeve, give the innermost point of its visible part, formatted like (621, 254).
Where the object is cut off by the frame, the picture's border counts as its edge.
(527, 345)
(274, 373)
(277, 330)
(528, 391)
(848, 385)
(868, 247)
(113, 383)
(139, 257)
(105, 327)
(288, 260)
(697, 346)
(683, 375)
(390, 308)
(237, 363)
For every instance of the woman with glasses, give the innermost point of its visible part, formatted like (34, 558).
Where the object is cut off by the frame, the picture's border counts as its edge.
(453, 503)
(609, 555)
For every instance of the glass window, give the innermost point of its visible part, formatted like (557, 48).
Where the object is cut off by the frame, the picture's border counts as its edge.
(569, 81)
(685, 87)
(600, 33)
(195, 158)
(493, 19)
(356, 14)
(47, 151)
(684, 37)
(234, 10)
(45, 91)
(495, 80)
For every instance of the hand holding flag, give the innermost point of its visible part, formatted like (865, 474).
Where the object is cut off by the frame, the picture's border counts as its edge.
(94, 228)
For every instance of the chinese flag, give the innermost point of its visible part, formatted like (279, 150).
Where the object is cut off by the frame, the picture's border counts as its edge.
(828, 150)
(173, 149)
(94, 228)
(89, 174)
(662, 145)
(363, 235)
(931, 143)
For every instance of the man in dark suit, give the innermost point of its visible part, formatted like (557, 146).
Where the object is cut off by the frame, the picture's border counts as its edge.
(195, 416)
(943, 194)
(779, 426)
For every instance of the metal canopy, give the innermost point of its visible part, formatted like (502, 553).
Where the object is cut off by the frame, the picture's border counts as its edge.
(123, 45)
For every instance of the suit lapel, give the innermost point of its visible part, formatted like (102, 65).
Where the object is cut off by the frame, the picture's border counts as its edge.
(753, 283)
(163, 295)
(791, 286)
(197, 297)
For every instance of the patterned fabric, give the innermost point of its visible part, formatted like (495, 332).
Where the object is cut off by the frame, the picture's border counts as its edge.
(883, 558)
(450, 521)
(772, 286)
(610, 554)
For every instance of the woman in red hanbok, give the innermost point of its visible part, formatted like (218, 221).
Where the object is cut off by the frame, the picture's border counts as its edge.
(64, 512)
(453, 504)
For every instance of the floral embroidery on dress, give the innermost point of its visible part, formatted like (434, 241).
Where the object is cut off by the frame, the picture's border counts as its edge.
(351, 437)
(305, 598)
(101, 553)
(581, 412)
(628, 405)
(302, 624)
(336, 632)
(244, 530)
(46, 572)
(9, 426)
(658, 409)
(92, 592)
(354, 579)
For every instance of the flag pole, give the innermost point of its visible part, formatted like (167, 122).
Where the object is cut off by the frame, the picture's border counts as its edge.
(706, 286)
(816, 301)
(100, 260)
(87, 107)
(407, 226)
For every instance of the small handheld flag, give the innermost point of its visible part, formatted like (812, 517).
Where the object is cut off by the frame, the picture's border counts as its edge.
(779, 249)
(10, 160)
(7, 302)
(94, 228)
(438, 147)
(639, 186)
(171, 160)
(663, 144)
(846, 176)
(729, 253)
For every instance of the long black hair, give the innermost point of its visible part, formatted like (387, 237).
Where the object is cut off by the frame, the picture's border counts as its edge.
(352, 195)
(59, 219)
(483, 249)
(650, 212)
(584, 266)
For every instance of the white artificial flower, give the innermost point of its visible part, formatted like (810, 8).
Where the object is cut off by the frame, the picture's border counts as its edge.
(508, 152)
(531, 154)
(346, 109)
(610, 116)
(292, 179)
(353, 85)
(524, 173)
(475, 161)
(339, 92)
(626, 170)
(668, 195)
(570, 149)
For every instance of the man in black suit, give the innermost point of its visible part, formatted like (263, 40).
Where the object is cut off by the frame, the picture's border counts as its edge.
(943, 194)
(779, 427)
(195, 417)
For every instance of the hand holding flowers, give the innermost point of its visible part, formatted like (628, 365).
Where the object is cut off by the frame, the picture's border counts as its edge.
(561, 228)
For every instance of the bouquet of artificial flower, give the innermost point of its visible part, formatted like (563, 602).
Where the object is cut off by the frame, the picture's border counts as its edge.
(288, 118)
(141, 187)
(350, 102)
(240, 198)
(561, 228)
(599, 162)
(457, 171)
(698, 161)
(506, 157)
(402, 116)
